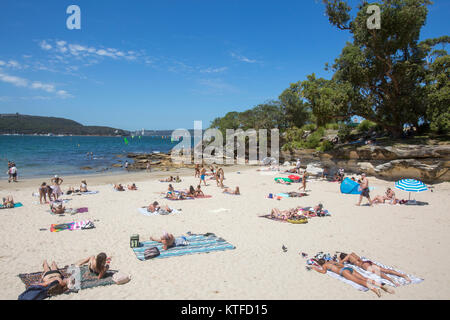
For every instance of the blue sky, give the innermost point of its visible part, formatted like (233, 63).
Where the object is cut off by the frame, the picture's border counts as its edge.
(163, 64)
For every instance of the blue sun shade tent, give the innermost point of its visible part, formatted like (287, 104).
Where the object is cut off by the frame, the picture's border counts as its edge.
(348, 186)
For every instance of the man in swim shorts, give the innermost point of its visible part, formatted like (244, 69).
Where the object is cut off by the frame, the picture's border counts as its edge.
(364, 190)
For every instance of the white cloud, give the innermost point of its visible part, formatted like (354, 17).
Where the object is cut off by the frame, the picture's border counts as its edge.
(242, 58)
(36, 85)
(44, 45)
(214, 70)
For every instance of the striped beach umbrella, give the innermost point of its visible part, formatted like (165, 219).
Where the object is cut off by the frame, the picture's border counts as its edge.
(411, 185)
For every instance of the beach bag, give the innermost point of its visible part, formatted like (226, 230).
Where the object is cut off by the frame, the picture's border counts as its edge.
(88, 225)
(134, 241)
(121, 278)
(151, 253)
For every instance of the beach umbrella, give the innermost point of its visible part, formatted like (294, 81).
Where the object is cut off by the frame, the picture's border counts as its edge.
(411, 185)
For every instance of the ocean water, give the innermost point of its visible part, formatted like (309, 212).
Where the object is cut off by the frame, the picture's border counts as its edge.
(39, 156)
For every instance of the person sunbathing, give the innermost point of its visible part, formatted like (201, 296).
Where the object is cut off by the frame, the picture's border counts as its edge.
(156, 208)
(199, 192)
(170, 179)
(230, 191)
(315, 211)
(389, 195)
(8, 202)
(352, 275)
(83, 186)
(285, 214)
(58, 208)
(168, 240)
(293, 170)
(96, 264)
(367, 265)
(191, 192)
(119, 187)
(52, 277)
(281, 181)
(132, 187)
(294, 194)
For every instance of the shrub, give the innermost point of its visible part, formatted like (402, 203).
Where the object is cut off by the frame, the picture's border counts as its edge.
(366, 126)
(344, 132)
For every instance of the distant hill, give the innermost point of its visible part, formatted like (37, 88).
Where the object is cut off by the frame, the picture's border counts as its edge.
(24, 124)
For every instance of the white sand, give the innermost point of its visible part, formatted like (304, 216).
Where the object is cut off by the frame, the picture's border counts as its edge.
(414, 239)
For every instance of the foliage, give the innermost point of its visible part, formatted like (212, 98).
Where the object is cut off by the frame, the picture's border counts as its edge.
(366, 126)
(344, 132)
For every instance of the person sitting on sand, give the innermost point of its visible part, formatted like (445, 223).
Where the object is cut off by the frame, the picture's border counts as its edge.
(170, 192)
(352, 275)
(132, 187)
(199, 192)
(230, 191)
(168, 240)
(52, 276)
(191, 192)
(57, 208)
(83, 186)
(119, 187)
(8, 202)
(367, 265)
(96, 264)
(177, 179)
(390, 195)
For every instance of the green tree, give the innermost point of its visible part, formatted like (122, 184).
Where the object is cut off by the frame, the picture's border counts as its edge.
(296, 112)
(385, 68)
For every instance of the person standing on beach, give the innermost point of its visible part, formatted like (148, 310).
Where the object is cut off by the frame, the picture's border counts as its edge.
(13, 172)
(148, 169)
(305, 175)
(297, 166)
(364, 190)
(57, 181)
(126, 165)
(197, 171)
(202, 176)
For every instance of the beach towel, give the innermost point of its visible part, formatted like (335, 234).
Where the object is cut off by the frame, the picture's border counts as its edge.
(147, 213)
(16, 205)
(70, 211)
(88, 279)
(268, 216)
(197, 243)
(370, 275)
(80, 225)
(205, 196)
(87, 192)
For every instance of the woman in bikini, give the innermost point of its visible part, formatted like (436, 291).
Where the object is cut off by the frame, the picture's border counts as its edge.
(199, 192)
(132, 187)
(191, 192)
(52, 276)
(350, 274)
(119, 187)
(367, 265)
(83, 186)
(230, 191)
(8, 202)
(167, 240)
(43, 191)
(389, 195)
(57, 181)
(96, 264)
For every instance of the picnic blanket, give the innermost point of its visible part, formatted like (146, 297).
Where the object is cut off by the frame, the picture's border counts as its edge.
(148, 213)
(88, 279)
(197, 243)
(16, 205)
(370, 275)
(80, 225)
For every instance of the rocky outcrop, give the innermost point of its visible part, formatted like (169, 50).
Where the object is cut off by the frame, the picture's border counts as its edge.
(160, 161)
(430, 164)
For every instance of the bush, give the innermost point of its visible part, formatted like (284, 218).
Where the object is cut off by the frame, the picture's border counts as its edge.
(309, 127)
(366, 126)
(344, 132)
(325, 146)
(332, 126)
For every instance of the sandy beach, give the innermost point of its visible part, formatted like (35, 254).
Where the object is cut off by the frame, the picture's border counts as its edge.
(414, 239)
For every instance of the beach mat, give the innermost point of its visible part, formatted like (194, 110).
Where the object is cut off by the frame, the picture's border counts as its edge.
(198, 243)
(16, 205)
(72, 226)
(147, 213)
(88, 279)
(375, 277)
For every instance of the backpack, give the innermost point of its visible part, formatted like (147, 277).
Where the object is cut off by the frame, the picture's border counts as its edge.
(151, 253)
(121, 278)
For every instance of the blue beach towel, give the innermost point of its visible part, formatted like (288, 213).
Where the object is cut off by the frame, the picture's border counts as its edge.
(197, 243)
(16, 205)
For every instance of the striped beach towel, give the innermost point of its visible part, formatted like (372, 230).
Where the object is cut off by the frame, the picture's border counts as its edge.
(197, 243)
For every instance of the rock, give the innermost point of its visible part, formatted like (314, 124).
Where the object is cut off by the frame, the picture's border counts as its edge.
(117, 165)
(413, 169)
(86, 168)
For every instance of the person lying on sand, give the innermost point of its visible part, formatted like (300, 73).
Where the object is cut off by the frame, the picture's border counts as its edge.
(293, 170)
(285, 214)
(132, 187)
(389, 195)
(155, 207)
(315, 211)
(352, 275)
(170, 179)
(96, 264)
(8, 202)
(168, 240)
(296, 194)
(57, 207)
(230, 191)
(354, 259)
(119, 187)
(52, 276)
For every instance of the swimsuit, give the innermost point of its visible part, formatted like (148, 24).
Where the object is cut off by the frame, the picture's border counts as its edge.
(365, 192)
(52, 272)
(345, 268)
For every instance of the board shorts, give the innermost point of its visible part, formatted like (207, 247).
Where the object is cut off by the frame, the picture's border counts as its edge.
(365, 192)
